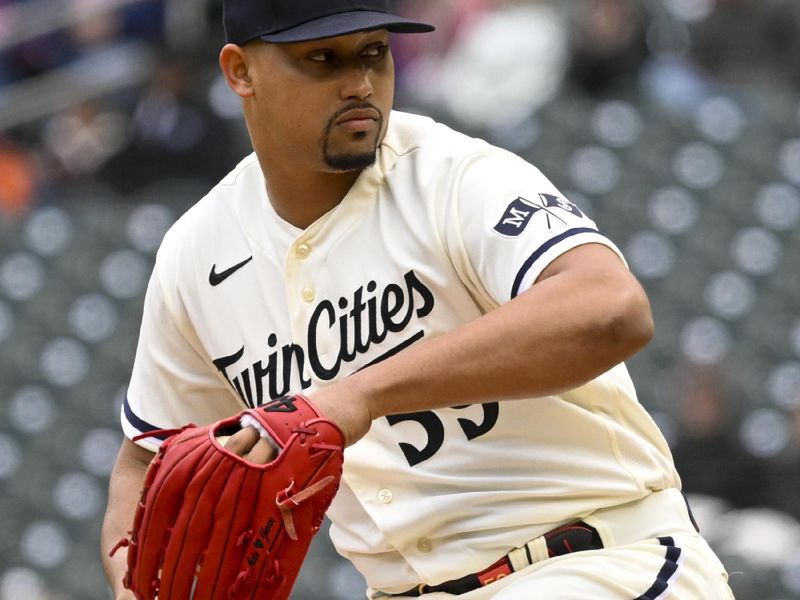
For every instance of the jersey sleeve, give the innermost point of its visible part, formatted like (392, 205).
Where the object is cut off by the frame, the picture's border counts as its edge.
(506, 222)
(173, 382)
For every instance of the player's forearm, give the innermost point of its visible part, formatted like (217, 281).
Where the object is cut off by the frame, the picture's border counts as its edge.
(123, 497)
(560, 334)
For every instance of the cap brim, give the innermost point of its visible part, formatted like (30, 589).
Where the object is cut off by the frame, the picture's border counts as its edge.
(345, 24)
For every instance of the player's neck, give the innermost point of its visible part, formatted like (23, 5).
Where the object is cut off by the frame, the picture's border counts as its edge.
(300, 198)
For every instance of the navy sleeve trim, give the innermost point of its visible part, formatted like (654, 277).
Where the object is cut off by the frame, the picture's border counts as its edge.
(140, 424)
(515, 290)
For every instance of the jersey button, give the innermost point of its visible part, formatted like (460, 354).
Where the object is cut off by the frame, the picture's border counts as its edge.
(424, 545)
(303, 250)
(308, 294)
(385, 496)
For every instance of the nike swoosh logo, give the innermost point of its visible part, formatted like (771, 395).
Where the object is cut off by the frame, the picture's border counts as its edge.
(215, 278)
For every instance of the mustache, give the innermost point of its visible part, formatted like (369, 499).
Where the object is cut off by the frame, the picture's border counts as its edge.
(353, 106)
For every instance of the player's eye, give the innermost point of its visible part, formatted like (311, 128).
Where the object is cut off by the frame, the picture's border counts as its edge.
(375, 50)
(321, 56)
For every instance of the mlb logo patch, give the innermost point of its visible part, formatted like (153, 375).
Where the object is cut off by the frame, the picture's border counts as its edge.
(516, 218)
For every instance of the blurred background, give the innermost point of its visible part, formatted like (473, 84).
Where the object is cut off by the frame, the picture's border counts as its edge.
(674, 123)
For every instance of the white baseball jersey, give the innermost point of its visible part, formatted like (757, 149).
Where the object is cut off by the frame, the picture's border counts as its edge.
(243, 307)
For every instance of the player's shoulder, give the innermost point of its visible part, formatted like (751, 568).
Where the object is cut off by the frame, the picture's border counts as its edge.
(436, 156)
(218, 207)
(412, 137)
(213, 219)
(409, 133)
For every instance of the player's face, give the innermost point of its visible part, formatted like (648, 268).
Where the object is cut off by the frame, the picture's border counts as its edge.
(324, 101)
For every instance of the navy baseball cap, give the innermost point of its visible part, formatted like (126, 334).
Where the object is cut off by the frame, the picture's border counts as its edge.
(283, 21)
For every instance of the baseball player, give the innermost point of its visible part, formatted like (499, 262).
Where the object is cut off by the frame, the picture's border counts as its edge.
(461, 321)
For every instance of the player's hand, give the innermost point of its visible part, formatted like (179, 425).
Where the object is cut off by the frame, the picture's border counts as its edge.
(125, 595)
(343, 403)
(249, 444)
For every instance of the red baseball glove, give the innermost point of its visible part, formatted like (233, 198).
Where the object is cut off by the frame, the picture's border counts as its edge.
(212, 525)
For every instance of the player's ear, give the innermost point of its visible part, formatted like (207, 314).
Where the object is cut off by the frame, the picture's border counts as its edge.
(235, 68)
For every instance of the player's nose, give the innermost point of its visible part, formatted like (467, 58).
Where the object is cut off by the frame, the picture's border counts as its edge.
(357, 84)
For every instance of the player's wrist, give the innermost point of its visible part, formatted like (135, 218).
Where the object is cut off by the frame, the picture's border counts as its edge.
(347, 404)
(364, 407)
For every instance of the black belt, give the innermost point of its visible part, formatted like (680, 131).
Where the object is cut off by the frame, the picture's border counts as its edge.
(564, 540)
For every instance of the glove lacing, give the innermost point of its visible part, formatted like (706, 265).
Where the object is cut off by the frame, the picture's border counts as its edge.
(286, 501)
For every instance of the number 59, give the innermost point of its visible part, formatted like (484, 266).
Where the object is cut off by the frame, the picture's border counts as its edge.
(434, 427)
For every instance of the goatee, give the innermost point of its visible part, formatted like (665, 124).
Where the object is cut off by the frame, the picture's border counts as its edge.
(347, 162)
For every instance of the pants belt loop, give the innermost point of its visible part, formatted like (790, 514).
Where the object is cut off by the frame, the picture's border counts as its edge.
(534, 551)
(519, 558)
(537, 548)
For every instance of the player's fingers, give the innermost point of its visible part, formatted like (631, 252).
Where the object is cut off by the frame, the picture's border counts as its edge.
(243, 441)
(261, 453)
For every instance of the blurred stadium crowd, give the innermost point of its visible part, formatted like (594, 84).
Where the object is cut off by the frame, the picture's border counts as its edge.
(674, 123)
